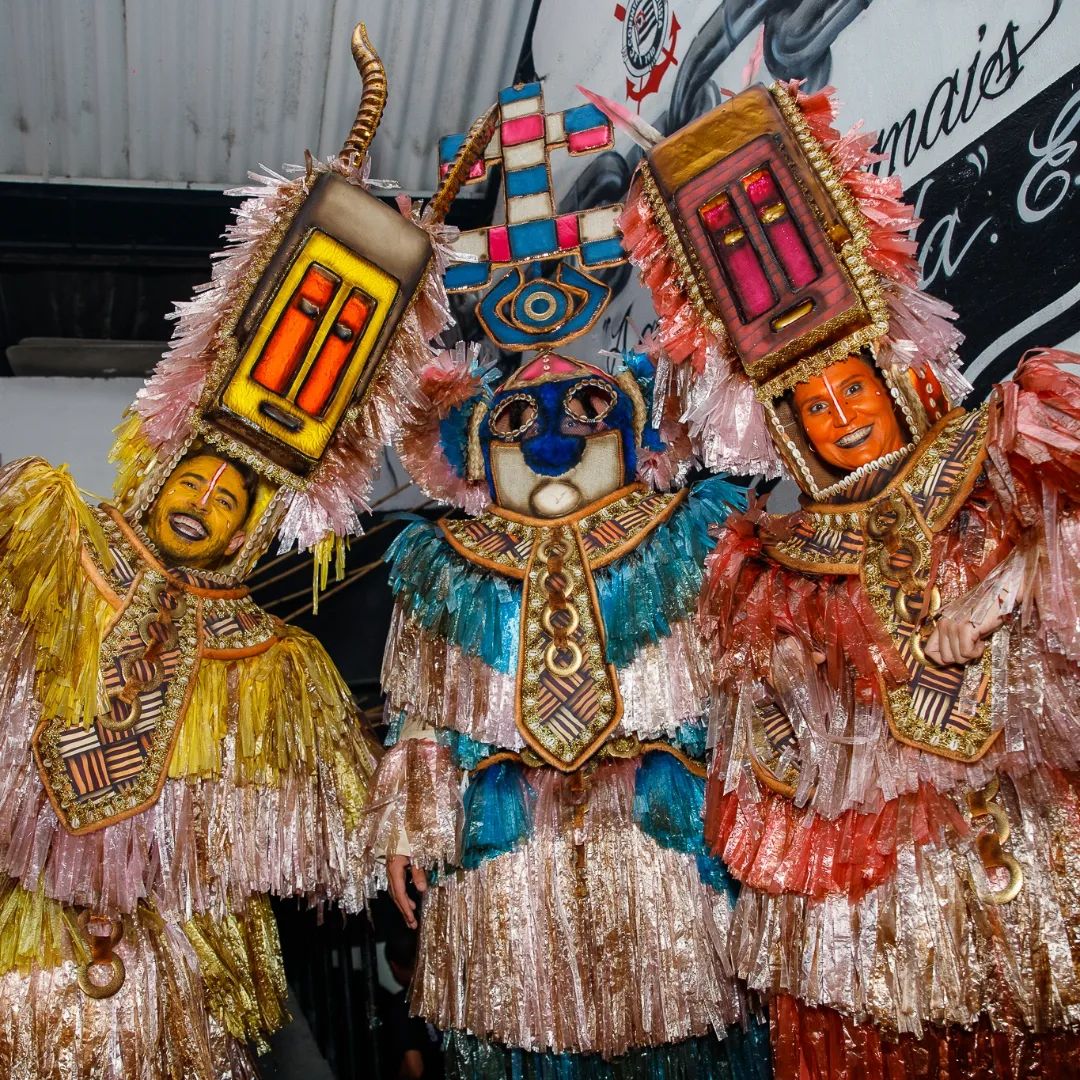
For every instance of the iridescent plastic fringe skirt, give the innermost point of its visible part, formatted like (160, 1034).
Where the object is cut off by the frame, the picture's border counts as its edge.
(588, 938)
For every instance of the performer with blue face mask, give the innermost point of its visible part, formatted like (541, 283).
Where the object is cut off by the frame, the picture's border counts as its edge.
(544, 782)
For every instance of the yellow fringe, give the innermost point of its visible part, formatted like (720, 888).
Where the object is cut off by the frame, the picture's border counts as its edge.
(239, 956)
(44, 524)
(133, 456)
(293, 711)
(240, 963)
(291, 698)
(198, 742)
(330, 547)
(35, 930)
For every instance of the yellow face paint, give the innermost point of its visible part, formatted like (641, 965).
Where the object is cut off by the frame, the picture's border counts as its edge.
(197, 516)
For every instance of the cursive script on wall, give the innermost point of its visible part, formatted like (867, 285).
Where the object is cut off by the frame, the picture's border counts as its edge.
(956, 98)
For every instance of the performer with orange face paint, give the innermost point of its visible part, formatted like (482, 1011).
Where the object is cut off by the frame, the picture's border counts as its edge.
(897, 665)
(847, 414)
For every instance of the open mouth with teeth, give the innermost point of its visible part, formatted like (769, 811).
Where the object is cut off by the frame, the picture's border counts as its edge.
(188, 527)
(855, 438)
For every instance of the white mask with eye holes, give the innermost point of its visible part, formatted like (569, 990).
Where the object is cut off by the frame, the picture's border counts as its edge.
(518, 488)
(598, 472)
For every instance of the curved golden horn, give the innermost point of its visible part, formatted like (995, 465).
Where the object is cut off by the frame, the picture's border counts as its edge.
(372, 100)
(475, 144)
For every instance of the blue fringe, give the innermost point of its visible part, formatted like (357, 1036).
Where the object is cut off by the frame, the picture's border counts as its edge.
(641, 595)
(499, 806)
(742, 1055)
(467, 751)
(658, 583)
(393, 728)
(475, 609)
(669, 806)
(644, 371)
(691, 739)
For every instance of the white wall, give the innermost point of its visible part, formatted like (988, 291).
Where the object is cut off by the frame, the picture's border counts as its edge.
(65, 421)
(71, 421)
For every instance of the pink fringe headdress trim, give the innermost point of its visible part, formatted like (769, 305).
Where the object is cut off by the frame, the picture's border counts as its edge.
(168, 405)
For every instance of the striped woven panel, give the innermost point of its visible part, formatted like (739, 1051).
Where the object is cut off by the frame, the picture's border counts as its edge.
(627, 520)
(492, 538)
(101, 762)
(941, 707)
(935, 494)
(564, 711)
(813, 539)
(946, 710)
(772, 736)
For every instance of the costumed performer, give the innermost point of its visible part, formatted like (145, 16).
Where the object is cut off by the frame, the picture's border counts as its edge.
(894, 776)
(547, 682)
(172, 754)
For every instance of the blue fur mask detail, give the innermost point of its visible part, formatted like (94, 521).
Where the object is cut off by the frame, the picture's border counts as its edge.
(554, 441)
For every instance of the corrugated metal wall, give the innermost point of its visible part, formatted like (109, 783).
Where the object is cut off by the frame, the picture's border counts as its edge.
(197, 92)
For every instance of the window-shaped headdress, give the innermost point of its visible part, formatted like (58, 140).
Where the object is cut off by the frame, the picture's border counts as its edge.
(301, 356)
(785, 281)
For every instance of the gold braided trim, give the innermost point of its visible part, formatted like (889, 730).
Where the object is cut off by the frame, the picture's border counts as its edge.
(691, 277)
(887, 592)
(88, 816)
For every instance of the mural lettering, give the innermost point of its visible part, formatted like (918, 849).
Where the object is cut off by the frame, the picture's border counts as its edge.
(956, 99)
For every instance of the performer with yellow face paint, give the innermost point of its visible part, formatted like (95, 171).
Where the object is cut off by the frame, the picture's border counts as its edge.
(169, 753)
(198, 518)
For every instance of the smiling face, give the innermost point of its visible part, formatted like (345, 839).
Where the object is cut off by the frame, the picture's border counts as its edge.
(197, 516)
(847, 414)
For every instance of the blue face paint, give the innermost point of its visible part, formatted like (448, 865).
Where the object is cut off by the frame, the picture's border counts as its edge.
(552, 422)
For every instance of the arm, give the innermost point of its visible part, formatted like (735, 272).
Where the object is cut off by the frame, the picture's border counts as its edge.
(413, 818)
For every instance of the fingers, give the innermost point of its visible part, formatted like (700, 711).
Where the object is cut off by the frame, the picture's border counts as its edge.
(954, 642)
(969, 643)
(419, 879)
(932, 648)
(395, 874)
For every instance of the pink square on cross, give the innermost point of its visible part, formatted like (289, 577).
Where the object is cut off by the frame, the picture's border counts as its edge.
(566, 230)
(592, 139)
(522, 129)
(498, 244)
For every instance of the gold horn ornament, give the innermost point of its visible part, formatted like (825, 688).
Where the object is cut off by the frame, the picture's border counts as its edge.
(372, 100)
(480, 134)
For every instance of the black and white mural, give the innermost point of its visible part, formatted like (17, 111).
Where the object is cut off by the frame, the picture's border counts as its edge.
(977, 103)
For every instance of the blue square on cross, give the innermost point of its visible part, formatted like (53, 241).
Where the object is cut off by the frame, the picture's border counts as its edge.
(531, 238)
(529, 181)
(582, 118)
(519, 93)
(449, 145)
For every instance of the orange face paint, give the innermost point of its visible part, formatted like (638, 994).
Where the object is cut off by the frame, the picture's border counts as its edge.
(847, 414)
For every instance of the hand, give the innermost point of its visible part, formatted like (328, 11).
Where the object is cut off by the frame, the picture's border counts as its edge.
(412, 1066)
(958, 641)
(395, 873)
